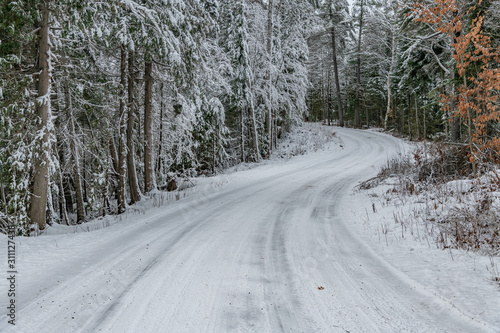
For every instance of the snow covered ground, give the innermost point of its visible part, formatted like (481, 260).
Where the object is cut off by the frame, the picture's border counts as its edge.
(288, 245)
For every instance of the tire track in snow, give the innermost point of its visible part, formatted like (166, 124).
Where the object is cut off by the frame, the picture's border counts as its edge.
(386, 299)
(249, 259)
(282, 304)
(199, 221)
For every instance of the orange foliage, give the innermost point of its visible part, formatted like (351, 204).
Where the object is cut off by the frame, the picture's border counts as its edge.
(477, 63)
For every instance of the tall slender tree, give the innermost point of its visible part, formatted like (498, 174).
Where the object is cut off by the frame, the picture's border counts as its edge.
(334, 13)
(41, 177)
(131, 170)
(358, 62)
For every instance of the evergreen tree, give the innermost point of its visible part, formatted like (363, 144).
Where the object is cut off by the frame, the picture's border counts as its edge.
(242, 78)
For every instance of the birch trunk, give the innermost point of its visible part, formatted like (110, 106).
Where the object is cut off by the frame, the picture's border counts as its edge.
(389, 75)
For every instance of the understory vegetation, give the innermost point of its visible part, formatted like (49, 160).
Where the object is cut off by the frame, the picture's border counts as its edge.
(433, 195)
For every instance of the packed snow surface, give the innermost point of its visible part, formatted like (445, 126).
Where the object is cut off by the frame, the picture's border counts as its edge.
(282, 247)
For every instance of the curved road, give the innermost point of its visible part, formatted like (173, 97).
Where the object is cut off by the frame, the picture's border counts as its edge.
(269, 253)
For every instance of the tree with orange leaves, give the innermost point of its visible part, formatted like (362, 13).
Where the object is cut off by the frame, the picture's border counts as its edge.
(477, 65)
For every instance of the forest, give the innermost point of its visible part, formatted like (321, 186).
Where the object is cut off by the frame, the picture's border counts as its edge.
(104, 102)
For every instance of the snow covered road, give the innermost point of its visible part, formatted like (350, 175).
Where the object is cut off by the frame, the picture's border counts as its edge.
(270, 252)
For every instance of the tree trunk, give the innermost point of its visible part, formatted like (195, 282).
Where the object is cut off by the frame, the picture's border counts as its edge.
(122, 152)
(84, 171)
(160, 143)
(255, 138)
(113, 173)
(51, 214)
(469, 132)
(132, 175)
(323, 94)
(416, 119)
(389, 74)
(329, 99)
(425, 126)
(455, 129)
(214, 144)
(456, 132)
(2, 193)
(149, 182)
(269, 78)
(63, 215)
(408, 95)
(113, 153)
(41, 181)
(366, 110)
(80, 208)
(242, 137)
(358, 68)
(62, 200)
(336, 70)
(402, 120)
(275, 131)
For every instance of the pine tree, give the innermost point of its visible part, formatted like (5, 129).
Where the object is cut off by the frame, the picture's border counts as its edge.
(18, 124)
(43, 158)
(242, 95)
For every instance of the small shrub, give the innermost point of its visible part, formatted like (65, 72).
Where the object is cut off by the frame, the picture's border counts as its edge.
(467, 216)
